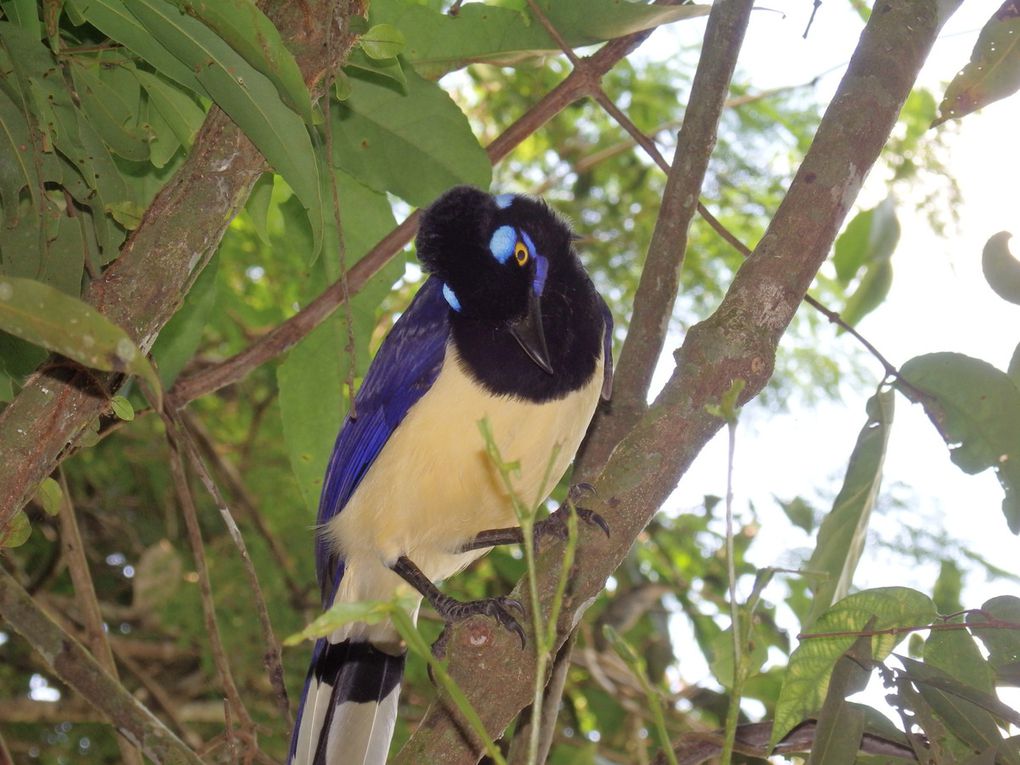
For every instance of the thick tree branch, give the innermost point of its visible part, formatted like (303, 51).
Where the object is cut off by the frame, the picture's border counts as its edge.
(141, 290)
(738, 341)
(660, 278)
(75, 666)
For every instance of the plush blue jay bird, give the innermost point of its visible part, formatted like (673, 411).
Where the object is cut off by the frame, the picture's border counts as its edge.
(507, 327)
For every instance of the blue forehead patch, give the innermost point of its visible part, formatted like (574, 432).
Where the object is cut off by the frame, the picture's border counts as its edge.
(451, 298)
(502, 243)
(503, 201)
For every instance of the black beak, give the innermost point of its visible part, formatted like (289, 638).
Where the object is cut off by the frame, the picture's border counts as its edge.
(529, 333)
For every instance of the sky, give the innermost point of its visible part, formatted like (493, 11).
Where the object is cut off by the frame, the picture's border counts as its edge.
(939, 302)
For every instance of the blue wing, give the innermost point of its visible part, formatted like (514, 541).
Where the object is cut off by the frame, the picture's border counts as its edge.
(405, 367)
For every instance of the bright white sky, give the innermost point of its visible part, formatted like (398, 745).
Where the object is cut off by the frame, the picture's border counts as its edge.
(939, 302)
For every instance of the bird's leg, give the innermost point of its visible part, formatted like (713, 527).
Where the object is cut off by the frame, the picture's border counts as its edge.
(555, 525)
(452, 610)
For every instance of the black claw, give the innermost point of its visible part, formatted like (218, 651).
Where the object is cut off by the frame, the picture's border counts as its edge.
(593, 519)
(583, 489)
(494, 608)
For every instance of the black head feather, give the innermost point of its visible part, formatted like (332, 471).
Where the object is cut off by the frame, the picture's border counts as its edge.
(467, 239)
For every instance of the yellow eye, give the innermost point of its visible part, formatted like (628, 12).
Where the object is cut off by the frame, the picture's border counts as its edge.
(521, 253)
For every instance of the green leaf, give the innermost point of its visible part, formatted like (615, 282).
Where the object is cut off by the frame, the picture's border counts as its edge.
(246, 95)
(811, 664)
(994, 69)
(1001, 269)
(390, 68)
(840, 724)
(340, 614)
(869, 238)
(1003, 645)
(45, 316)
(180, 338)
(182, 113)
(843, 533)
(382, 41)
(18, 171)
(17, 532)
(113, 19)
(24, 13)
(799, 513)
(113, 111)
(122, 408)
(976, 409)
(438, 43)
(378, 133)
(967, 712)
(1014, 367)
(756, 652)
(49, 496)
(257, 206)
(254, 37)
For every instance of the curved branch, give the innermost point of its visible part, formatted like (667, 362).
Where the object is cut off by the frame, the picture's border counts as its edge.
(738, 341)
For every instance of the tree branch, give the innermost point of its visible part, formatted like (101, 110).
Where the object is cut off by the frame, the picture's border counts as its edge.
(69, 660)
(738, 341)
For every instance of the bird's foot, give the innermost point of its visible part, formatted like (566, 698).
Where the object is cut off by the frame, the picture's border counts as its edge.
(452, 610)
(556, 525)
(497, 608)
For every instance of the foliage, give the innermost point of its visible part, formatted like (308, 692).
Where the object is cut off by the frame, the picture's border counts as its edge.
(100, 104)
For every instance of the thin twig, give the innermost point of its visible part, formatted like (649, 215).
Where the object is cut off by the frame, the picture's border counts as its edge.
(991, 624)
(244, 500)
(219, 654)
(272, 657)
(85, 592)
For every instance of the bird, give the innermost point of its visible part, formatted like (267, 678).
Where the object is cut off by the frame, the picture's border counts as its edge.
(507, 327)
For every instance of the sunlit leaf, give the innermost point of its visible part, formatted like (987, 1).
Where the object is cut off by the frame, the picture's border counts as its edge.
(841, 724)
(1001, 269)
(1003, 645)
(45, 316)
(122, 408)
(976, 409)
(842, 535)
(366, 612)
(994, 69)
(968, 712)
(438, 43)
(870, 237)
(811, 664)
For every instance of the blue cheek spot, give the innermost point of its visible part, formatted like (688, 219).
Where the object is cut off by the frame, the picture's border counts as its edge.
(451, 298)
(502, 243)
(503, 201)
(541, 271)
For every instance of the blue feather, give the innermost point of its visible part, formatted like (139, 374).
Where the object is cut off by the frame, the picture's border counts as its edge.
(403, 370)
